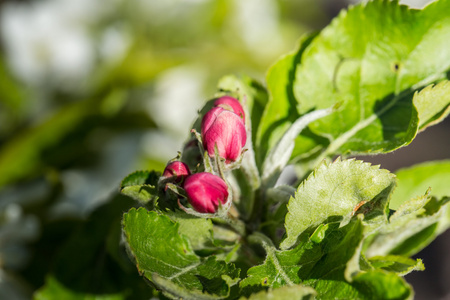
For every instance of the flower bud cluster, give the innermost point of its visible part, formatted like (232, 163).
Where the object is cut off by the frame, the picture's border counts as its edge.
(222, 130)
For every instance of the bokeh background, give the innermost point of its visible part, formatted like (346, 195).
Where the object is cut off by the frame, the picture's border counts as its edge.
(91, 90)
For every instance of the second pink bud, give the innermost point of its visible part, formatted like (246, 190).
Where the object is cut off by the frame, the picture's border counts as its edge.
(206, 192)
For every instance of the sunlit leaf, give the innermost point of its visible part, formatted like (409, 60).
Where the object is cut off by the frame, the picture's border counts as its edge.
(339, 189)
(373, 70)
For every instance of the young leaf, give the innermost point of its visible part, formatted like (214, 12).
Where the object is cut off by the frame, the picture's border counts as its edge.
(373, 70)
(416, 180)
(379, 284)
(163, 255)
(312, 258)
(141, 186)
(398, 264)
(433, 104)
(412, 227)
(339, 190)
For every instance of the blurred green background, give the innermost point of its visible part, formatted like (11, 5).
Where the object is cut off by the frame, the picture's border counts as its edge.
(92, 90)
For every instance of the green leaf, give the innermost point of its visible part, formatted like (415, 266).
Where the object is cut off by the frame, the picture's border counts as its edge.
(312, 258)
(54, 289)
(321, 262)
(197, 230)
(141, 186)
(337, 190)
(382, 285)
(371, 285)
(328, 276)
(161, 252)
(281, 268)
(433, 104)
(412, 227)
(294, 292)
(373, 70)
(416, 180)
(398, 264)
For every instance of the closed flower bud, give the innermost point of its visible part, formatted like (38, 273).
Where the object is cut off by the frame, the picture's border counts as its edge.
(205, 191)
(231, 104)
(177, 169)
(226, 130)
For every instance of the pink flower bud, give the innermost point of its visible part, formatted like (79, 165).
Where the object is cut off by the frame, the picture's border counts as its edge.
(231, 104)
(176, 169)
(205, 191)
(226, 130)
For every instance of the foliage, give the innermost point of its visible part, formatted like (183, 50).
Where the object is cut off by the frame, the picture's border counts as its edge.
(367, 83)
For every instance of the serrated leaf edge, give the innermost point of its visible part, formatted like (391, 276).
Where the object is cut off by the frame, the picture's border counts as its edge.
(323, 166)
